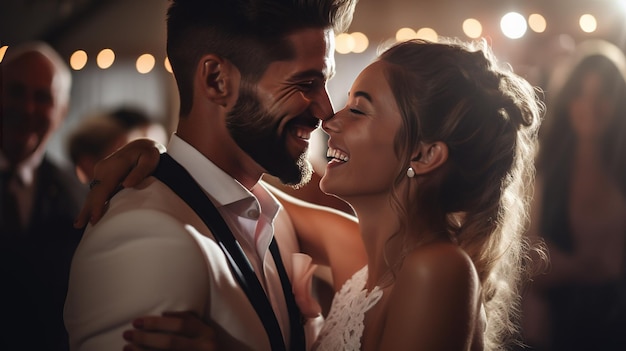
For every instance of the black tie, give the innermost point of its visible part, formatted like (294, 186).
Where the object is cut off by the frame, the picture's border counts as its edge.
(10, 221)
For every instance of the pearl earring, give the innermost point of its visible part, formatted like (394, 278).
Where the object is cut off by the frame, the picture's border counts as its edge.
(410, 172)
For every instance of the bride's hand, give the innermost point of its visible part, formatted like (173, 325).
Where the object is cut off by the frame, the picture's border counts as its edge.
(172, 331)
(126, 167)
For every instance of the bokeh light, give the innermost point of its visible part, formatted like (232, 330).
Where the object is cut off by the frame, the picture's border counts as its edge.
(360, 42)
(537, 23)
(513, 25)
(427, 34)
(167, 65)
(145, 63)
(3, 51)
(344, 43)
(472, 28)
(588, 23)
(78, 60)
(404, 34)
(105, 58)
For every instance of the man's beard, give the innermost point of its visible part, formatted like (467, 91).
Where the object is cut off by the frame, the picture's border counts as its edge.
(255, 131)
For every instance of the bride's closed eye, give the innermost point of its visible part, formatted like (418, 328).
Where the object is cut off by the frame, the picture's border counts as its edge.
(355, 111)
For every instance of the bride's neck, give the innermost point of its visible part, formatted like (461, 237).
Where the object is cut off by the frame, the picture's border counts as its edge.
(380, 230)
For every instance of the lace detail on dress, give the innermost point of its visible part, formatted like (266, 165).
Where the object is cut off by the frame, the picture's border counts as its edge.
(343, 327)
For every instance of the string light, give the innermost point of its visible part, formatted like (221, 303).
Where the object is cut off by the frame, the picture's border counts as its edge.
(537, 23)
(105, 58)
(472, 28)
(145, 63)
(588, 23)
(427, 34)
(513, 25)
(78, 60)
(360, 42)
(3, 50)
(167, 65)
(344, 43)
(404, 34)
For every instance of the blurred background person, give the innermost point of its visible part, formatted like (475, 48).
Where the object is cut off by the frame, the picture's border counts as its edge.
(100, 134)
(580, 206)
(39, 200)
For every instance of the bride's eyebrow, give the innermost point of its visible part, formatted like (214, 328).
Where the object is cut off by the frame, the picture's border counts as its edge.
(363, 94)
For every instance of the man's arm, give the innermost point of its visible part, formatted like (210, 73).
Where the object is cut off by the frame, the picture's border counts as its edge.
(139, 262)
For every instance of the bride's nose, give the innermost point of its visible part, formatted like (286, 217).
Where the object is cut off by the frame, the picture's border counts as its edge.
(332, 124)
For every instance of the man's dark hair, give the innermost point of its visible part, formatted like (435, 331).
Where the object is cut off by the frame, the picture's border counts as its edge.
(249, 33)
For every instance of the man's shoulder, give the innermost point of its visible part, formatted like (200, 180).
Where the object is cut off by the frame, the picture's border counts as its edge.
(151, 209)
(147, 201)
(150, 218)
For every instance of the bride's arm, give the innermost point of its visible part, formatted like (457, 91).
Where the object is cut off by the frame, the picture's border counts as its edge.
(331, 237)
(126, 167)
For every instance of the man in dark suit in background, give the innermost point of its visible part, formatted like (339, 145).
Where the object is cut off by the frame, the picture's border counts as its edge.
(39, 200)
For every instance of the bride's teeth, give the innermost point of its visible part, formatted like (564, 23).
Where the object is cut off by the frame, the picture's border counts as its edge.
(337, 155)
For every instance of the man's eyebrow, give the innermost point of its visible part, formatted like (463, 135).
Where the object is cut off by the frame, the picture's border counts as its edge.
(363, 94)
(312, 73)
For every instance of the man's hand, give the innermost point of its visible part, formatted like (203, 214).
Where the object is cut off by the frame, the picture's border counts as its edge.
(175, 331)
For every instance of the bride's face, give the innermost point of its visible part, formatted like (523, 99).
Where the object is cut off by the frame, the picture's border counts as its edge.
(361, 139)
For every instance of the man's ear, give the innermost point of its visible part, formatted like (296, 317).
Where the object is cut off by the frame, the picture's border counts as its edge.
(217, 78)
(429, 156)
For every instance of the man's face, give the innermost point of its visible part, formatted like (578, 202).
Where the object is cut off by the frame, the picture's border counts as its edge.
(274, 122)
(30, 106)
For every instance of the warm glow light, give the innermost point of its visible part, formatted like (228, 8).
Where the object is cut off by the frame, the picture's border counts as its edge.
(537, 23)
(472, 28)
(168, 65)
(3, 51)
(105, 58)
(145, 63)
(513, 25)
(78, 60)
(427, 34)
(360, 42)
(344, 43)
(588, 23)
(404, 34)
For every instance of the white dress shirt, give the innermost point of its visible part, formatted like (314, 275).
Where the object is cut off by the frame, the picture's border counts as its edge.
(249, 215)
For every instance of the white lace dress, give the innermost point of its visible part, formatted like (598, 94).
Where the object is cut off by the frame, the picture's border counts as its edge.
(343, 327)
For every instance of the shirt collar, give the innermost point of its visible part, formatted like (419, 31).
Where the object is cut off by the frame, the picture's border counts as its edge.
(223, 188)
(269, 203)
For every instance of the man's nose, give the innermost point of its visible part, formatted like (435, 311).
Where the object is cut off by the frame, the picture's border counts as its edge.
(322, 107)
